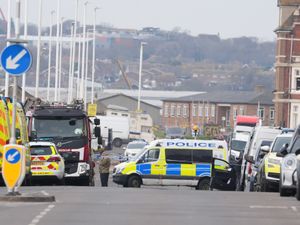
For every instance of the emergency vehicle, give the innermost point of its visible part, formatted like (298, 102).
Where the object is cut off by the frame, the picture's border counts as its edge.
(46, 162)
(178, 163)
(69, 128)
(6, 108)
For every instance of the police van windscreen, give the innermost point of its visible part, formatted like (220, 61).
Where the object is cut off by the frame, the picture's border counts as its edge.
(280, 142)
(59, 127)
(238, 145)
(188, 156)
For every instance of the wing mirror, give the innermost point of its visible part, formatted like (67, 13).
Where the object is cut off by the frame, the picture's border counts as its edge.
(97, 121)
(249, 159)
(265, 149)
(298, 152)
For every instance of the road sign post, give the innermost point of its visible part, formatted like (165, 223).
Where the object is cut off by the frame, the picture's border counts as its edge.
(13, 167)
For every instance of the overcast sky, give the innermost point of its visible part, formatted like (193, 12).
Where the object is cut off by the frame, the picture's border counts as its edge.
(229, 18)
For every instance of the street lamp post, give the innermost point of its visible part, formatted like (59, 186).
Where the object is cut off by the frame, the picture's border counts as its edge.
(49, 60)
(25, 37)
(57, 49)
(78, 69)
(8, 35)
(70, 86)
(94, 54)
(60, 59)
(37, 76)
(74, 51)
(83, 53)
(140, 76)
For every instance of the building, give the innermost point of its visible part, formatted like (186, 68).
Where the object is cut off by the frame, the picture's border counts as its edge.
(287, 81)
(129, 103)
(220, 108)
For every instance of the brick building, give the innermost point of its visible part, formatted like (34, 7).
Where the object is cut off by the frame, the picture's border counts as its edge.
(219, 108)
(287, 82)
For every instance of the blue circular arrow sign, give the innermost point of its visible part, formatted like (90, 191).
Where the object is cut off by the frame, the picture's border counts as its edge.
(16, 59)
(13, 156)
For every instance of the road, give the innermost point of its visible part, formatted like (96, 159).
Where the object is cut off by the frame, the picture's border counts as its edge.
(151, 206)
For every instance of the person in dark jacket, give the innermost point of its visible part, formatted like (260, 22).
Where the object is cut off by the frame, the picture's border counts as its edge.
(104, 166)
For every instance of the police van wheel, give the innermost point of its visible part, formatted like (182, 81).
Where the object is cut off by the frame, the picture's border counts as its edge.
(203, 184)
(117, 142)
(134, 181)
(283, 192)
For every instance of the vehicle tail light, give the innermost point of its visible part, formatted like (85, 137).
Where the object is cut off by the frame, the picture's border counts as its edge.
(249, 169)
(54, 159)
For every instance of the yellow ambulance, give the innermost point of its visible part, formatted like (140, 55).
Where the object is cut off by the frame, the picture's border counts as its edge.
(178, 162)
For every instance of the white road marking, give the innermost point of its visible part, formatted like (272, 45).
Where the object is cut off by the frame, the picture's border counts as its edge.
(45, 193)
(37, 219)
(294, 208)
(267, 207)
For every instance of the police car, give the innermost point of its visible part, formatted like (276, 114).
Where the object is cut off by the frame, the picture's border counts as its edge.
(46, 162)
(179, 162)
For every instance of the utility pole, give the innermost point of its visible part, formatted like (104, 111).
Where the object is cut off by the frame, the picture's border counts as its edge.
(83, 53)
(60, 59)
(70, 86)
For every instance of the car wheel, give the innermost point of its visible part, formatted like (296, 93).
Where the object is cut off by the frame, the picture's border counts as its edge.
(134, 181)
(203, 184)
(117, 142)
(298, 190)
(283, 192)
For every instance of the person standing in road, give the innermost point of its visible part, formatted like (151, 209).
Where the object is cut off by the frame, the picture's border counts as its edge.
(104, 166)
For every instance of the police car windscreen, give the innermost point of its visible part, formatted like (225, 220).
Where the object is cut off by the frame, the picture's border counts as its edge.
(40, 150)
(188, 156)
(280, 142)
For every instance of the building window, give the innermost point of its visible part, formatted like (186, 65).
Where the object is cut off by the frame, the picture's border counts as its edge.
(261, 113)
(206, 111)
(235, 112)
(194, 110)
(242, 110)
(272, 113)
(166, 110)
(172, 110)
(200, 110)
(296, 79)
(184, 112)
(213, 111)
(178, 110)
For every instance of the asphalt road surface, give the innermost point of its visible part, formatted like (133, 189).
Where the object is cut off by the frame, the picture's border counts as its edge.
(151, 206)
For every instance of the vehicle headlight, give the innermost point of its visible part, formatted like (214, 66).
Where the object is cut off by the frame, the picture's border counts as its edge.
(274, 161)
(119, 169)
(83, 168)
(289, 163)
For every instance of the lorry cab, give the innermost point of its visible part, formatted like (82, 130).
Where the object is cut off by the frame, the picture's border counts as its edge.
(176, 163)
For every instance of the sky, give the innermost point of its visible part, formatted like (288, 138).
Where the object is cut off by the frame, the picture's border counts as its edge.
(228, 18)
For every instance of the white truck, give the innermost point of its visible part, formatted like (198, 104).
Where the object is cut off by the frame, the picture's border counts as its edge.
(119, 126)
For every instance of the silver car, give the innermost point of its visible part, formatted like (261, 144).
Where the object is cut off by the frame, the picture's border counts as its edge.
(288, 170)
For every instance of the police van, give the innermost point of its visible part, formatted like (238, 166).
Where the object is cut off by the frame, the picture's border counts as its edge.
(179, 162)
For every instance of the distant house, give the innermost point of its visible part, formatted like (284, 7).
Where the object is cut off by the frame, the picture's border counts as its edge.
(127, 102)
(219, 108)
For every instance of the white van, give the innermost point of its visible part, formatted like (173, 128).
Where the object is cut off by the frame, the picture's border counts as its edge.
(262, 136)
(119, 126)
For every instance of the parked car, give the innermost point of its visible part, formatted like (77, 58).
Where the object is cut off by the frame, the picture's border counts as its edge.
(288, 166)
(268, 174)
(46, 163)
(174, 132)
(133, 148)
